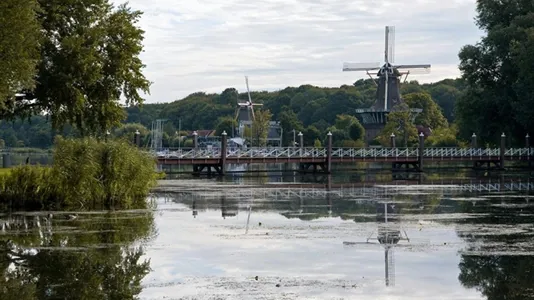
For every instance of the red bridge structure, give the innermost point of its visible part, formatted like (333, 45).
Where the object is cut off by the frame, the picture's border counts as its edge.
(216, 160)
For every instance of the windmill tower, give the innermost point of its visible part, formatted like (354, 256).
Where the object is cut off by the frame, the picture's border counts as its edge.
(245, 112)
(388, 95)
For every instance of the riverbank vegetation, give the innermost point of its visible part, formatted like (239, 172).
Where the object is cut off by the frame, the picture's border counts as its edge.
(85, 174)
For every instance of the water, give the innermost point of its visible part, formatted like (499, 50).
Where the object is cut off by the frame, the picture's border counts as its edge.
(445, 238)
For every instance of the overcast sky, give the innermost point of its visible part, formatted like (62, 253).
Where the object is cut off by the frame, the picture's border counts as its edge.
(210, 45)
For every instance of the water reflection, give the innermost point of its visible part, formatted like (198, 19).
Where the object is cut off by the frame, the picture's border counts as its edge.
(388, 234)
(412, 238)
(459, 238)
(92, 256)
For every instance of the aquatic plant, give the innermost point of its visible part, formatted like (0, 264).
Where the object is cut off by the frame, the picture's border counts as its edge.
(86, 174)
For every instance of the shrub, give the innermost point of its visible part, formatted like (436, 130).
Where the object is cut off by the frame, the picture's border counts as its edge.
(86, 174)
(28, 187)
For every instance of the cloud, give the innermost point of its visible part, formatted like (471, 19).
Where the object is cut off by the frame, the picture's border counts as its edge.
(210, 45)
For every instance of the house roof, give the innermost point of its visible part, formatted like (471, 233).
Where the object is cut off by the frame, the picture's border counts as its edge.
(204, 132)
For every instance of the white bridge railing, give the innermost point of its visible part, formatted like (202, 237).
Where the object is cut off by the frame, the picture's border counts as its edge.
(291, 152)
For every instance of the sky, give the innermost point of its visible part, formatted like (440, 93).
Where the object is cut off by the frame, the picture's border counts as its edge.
(210, 45)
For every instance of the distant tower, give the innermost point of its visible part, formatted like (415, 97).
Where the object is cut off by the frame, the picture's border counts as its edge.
(388, 95)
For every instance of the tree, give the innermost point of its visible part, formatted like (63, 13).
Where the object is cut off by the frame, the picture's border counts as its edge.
(498, 74)
(89, 61)
(311, 134)
(289, 121)
(128, 131)
(260, 127)
(431, 115)
(444, 137)
(445, 96)
(225, 124)
(19, 49)
(356, 131)
(398, 123)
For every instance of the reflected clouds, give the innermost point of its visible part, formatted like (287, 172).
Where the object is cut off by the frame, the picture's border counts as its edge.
(307, 258)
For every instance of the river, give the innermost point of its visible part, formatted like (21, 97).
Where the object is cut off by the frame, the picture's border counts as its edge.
(356, 236)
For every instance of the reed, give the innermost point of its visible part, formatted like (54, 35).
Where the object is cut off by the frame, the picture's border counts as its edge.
(86, 174)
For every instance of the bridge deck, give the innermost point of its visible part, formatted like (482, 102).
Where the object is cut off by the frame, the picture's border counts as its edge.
(338, 155)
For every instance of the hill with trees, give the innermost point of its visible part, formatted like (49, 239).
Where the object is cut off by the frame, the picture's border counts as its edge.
(310, 109)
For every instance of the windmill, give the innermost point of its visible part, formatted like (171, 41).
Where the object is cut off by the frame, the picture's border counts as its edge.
(245, 112)
(388, 86)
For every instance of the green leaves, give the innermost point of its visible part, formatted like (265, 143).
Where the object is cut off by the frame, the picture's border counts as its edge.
(498, 72)
(86, 174)
(89, 61)
(19, 50)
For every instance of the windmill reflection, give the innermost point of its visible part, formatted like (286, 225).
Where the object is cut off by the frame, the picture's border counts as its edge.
(388, 234)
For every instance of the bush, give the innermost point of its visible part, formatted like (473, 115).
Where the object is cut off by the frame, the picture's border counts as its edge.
(86, 174)
(28, 187)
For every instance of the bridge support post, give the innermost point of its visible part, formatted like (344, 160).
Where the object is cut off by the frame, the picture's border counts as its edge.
(421, 151)
(474, 141)
(392, 140)
(301, 142)
(137, 138)
(329, 153)
(502, 151)
(195, 140)
(224, 146)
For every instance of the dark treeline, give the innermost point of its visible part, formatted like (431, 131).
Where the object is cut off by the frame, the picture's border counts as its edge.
(307, 108)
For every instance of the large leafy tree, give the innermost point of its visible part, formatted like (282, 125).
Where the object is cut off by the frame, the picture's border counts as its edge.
(400, 124)
(498, 72)
(89, 64)
(260, 127)
(431, 115)
(19, 49)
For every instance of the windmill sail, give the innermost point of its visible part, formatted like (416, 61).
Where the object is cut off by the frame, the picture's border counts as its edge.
(390, 44)
(361, 66)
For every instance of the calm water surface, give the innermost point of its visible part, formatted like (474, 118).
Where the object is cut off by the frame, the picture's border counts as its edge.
(279, 238)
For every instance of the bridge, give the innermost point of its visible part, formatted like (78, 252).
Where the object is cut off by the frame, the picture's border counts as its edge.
(320, 159)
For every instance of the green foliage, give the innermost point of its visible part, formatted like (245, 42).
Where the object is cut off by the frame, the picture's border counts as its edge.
(86, 174)
(89, 61)
(398, 123)
(205, 111)
(444, 137)
(19, 49)
(28, 187)
(227, 124)
(498, 73)
(260, 127)
(55, 272)
(317, 143)
(431, 115)
(90, 173)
